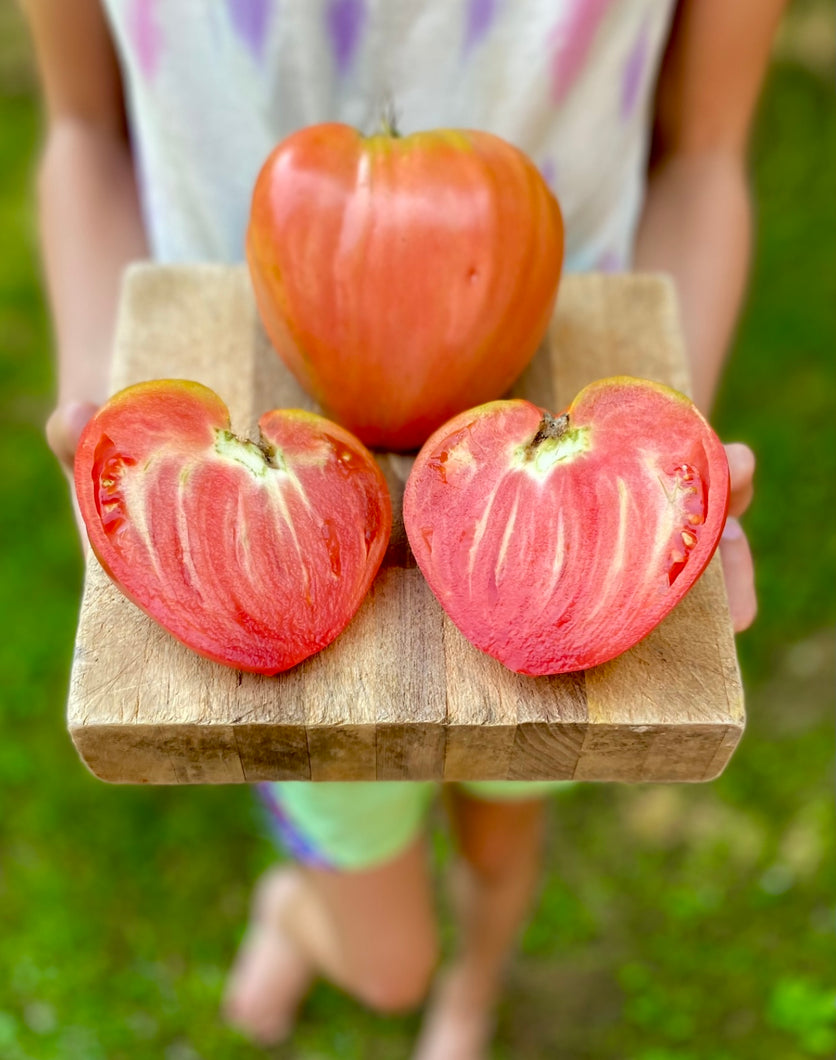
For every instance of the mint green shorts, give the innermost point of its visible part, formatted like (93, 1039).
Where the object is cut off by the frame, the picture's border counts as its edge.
(349, 826)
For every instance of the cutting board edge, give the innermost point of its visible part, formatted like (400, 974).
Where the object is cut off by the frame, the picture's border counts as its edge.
(158, 753)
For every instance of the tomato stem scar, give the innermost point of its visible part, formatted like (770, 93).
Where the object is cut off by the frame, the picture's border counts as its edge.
(389, 119)
(554, 442)
(550, 427)
(256, 457)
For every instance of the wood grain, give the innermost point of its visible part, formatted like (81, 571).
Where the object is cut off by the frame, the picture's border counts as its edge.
(400, 694)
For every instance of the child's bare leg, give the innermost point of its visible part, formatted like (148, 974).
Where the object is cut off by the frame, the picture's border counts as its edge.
(371, 932)
(493, 886)
(270, 976)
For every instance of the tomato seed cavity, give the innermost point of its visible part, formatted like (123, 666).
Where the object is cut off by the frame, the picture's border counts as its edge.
(332, 543)
(689, 495)
(108, 467)
(436, 464)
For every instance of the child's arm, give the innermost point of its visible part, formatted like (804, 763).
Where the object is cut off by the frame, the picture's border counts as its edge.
(696, 221)
(89, 212)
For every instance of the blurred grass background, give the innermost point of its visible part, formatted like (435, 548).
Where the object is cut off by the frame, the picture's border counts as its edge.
(693, 923)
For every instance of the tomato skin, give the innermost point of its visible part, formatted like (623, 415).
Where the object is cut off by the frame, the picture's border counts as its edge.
(255, 555)
(555, 544)
(403, 279)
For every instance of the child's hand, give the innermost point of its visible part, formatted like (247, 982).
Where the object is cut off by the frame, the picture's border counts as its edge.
(64, 427)
(734, 548)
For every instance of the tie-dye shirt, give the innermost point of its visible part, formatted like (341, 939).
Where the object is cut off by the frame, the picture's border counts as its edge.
(213, 87)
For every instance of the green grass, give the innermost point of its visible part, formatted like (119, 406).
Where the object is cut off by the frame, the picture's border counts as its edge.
(674, 922)
(780, 384)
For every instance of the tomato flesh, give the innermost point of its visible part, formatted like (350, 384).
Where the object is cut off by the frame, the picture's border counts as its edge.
(256, 555)
(555, 544)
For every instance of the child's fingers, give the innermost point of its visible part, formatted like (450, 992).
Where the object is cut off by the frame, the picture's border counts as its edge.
(741, 471)
(64, 427)
(739, 575)
(734, 548)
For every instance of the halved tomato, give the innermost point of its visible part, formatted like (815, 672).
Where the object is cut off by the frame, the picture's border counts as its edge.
(556, 543)
(255, 554)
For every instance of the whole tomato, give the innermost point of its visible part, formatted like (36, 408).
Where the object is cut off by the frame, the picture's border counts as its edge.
(403, 279)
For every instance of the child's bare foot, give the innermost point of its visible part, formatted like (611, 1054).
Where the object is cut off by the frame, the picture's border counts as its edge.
(459, 1021)
(270, 976)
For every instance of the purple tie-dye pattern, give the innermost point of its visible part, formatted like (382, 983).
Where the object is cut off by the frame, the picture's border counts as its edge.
(548, 171)
(570, 40)
(251, 19)
(296, 845)
(146, 36)
(480, 16)
(345, 25)
(610, 261)
(633, 76)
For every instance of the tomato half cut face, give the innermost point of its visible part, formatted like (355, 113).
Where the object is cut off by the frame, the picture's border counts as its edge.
(255, 554)
(557, 543)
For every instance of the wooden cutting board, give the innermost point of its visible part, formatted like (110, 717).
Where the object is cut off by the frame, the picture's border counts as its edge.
(400, 694)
